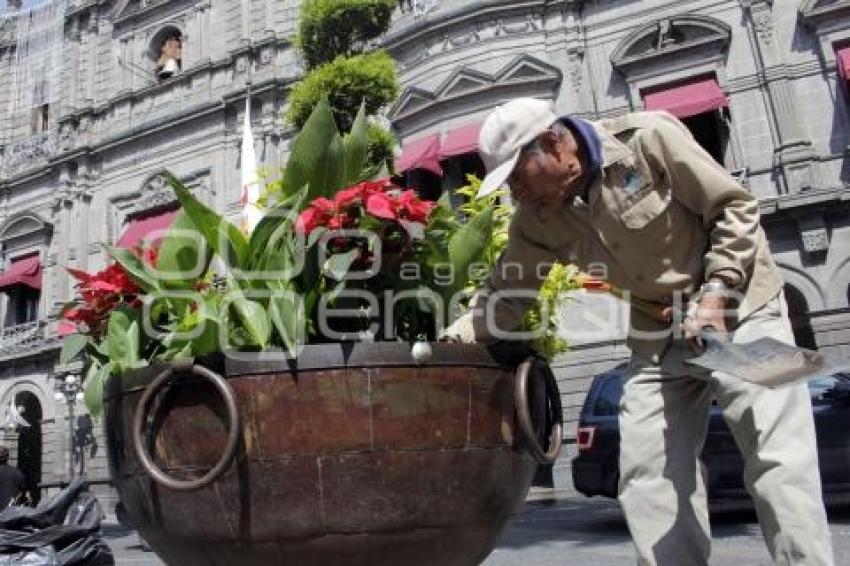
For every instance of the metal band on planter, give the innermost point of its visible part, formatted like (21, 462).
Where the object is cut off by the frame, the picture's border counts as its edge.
(556, 434)
(139, 444)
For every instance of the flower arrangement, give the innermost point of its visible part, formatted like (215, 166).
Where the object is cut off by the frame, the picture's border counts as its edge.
(338, 256)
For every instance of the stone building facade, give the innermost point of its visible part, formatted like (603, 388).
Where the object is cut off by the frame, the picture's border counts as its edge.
(146, 85)
(80, 168)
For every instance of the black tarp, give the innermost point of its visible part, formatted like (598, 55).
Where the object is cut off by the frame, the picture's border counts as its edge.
(62, 531)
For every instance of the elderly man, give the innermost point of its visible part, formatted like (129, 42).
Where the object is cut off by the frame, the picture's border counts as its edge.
(639, 197)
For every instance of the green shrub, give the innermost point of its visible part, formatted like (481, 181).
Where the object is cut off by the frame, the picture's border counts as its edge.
(330, 28)
(381, 145)
(347, 82)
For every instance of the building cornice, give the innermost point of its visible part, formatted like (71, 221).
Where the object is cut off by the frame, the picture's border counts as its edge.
(813, 200)
(818, 12)
(439, 22)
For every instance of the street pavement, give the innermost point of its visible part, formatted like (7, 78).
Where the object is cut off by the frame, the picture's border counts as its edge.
(577, 531)
(564, 528)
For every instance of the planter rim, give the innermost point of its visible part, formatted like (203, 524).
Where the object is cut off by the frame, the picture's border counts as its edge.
(313, 357)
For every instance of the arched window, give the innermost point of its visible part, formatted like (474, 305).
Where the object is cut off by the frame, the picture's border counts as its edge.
(677, 64)
(798, 312)
(167, 52)
(23, 242)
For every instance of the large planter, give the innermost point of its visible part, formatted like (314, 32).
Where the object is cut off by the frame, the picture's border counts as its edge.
(356, 456)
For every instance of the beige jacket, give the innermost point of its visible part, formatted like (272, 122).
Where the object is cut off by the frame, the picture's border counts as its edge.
(662, 216)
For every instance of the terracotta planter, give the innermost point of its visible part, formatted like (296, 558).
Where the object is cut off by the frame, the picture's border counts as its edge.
(355, 457)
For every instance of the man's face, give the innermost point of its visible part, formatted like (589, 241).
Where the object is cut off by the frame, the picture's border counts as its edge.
(550, 175)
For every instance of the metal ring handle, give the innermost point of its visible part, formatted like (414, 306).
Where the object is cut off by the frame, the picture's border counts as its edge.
(150, 392)
(556, 435)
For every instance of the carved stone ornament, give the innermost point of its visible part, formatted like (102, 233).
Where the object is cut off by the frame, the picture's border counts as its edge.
(657, 43)
(467, 85)
(7, 30)
(31, 152)
(154, 193)
(762, 16)
(814, 234)
(815, 241)
(446, 37)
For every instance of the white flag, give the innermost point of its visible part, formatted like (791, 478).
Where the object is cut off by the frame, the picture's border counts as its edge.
(251, 213)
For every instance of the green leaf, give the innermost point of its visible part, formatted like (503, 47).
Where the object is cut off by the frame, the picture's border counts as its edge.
(285, 212)
(224, 238)
(330, 177)
(337, 265)
(122, 339)
(280, 261)
(289, 318)
(72, 345)
(135, 268)
(206, 318)
(238, 251)
(184, 255)
(357, 148)
(316, 235)
(468, 245)
(251, 315)
(310, 148)
(95, 380)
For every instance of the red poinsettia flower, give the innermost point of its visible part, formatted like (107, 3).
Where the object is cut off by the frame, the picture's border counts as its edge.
(309, 220)
(101, 293)
(324, 205)
(341, 222)
(381, 205)
(347, 197)
(414, 208)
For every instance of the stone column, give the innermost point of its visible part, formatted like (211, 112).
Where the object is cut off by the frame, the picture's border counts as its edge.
(61, 251)
(72, 68)
(793, 155)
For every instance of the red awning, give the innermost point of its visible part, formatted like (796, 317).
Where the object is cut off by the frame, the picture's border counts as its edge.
(688, 99)
(421, 154)
(842, 62)
(460, 141)
(150, 228)
(23, 271)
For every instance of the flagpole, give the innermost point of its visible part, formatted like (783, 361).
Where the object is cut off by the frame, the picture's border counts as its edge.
(250, 195)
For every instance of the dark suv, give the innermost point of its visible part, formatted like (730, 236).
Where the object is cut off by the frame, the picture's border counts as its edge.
(596, 468)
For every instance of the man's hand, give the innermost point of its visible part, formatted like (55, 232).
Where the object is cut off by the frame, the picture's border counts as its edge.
(710, 312)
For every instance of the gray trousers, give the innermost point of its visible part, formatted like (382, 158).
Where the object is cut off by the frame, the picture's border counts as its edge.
(663, 422)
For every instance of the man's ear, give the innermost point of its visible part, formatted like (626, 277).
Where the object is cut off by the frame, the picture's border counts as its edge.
(549, 141)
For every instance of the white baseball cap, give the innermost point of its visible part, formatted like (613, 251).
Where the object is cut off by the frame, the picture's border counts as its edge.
(505, 131)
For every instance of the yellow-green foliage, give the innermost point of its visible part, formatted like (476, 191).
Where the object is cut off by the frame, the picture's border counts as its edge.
(330, 28)
(347, 82)
(561, 278)
(501, 217)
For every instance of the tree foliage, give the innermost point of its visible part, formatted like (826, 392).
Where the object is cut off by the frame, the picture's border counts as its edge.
(330, 28)
(347, 82)
(381, 144)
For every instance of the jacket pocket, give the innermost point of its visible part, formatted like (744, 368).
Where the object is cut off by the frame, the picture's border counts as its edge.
(647, 205)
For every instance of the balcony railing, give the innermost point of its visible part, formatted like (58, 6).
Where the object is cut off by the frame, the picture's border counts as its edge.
(22, 337)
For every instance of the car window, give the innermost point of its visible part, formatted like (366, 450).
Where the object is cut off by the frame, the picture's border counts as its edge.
(608, 400)
(823, 389)
(818, 387)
